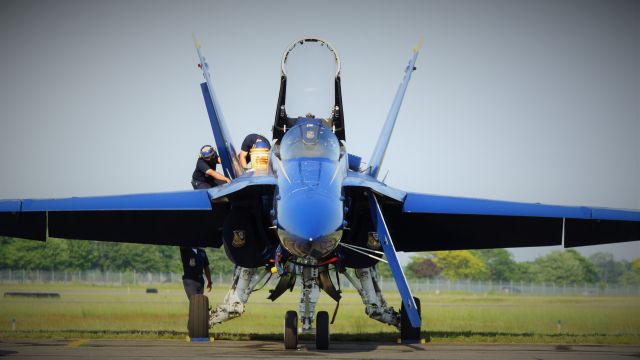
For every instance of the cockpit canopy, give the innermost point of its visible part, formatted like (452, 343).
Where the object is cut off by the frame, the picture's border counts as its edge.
(309, 86)
(309, 140)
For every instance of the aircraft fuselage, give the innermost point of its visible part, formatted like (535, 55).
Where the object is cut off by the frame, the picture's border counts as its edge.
(310, 164)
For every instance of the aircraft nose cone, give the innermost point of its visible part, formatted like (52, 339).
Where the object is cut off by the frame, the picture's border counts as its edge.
(309, 223)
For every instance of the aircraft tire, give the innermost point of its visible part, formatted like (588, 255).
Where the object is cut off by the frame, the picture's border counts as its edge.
(407, 332)
(322, 331)
(199, 316)
(291, 330)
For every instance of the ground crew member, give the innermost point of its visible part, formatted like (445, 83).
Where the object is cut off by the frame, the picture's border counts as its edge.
(194, 262)
(252, 140)
(205, 175)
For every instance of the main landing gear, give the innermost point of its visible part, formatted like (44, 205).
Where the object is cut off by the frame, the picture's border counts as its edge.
(198, 317)
(291, 330)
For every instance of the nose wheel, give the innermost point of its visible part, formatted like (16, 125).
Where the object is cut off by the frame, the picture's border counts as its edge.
(291, 330)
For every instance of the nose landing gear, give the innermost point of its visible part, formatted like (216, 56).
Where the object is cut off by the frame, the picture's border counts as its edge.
(291, 330)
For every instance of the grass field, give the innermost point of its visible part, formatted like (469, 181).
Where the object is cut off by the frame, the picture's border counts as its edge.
(117, 312)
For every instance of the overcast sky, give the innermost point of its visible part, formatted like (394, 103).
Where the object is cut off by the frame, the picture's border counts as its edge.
(534, 101)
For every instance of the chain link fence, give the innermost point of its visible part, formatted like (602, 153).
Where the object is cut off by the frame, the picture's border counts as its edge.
(8, 276)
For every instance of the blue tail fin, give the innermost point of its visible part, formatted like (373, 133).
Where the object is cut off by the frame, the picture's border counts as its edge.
(387, 129)
(226, 150)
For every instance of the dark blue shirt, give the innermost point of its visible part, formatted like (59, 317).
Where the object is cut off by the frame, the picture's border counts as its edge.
(201, 168)
(193, 263)
(250, 141)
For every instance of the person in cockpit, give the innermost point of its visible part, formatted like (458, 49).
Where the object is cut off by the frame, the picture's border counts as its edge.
(205, 175)
(252, 141)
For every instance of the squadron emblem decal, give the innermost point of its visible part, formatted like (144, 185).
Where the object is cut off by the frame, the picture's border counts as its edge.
(238, 238)
(372, 241)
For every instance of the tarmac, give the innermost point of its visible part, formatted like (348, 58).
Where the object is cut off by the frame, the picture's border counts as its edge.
(222, 349)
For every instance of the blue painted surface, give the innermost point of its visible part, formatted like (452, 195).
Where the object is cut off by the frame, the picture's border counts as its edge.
(394, 263)
(10, 205)
(227, 153)
(246, 180)
(364, 180)
(385, 135)
(615, 214)
(423, 203)
(184, 200)
(230, 162)
(309, 207)
(200, 339)
(354, 162)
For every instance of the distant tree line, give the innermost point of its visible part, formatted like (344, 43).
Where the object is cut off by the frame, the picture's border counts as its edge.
(559, 267)
(78, 255)
(562, 267)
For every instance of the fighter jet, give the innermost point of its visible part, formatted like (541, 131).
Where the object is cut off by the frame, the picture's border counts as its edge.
(308, 210)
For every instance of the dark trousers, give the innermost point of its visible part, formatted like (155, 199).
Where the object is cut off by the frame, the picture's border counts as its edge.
(192, 287)
(203, 185)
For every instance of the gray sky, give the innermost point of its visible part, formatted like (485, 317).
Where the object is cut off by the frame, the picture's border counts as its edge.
(534, 101)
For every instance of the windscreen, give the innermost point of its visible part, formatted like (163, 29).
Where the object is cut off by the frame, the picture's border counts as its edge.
(309, 140)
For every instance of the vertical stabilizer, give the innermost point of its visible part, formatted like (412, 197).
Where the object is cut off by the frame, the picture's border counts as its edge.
(226, 150)
(387, 129)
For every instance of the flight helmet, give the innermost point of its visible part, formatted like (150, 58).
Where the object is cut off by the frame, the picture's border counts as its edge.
(207, 152)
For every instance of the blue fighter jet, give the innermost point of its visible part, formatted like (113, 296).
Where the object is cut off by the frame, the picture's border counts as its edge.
(308, 210)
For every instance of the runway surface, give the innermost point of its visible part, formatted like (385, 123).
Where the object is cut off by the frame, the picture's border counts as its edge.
(174, 349)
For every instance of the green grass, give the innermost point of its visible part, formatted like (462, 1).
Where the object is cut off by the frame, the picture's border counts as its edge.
(128, 312)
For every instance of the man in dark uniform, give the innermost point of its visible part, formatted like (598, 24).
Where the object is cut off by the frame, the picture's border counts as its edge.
(194, 262)
(205, 175)
(252, 140)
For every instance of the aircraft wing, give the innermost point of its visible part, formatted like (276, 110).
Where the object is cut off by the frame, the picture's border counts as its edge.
(423, 222)
(185, 218)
